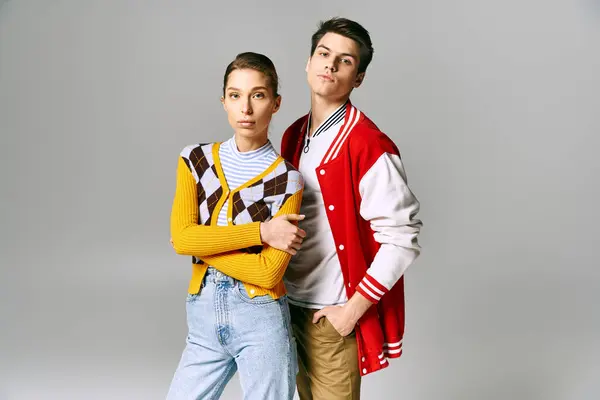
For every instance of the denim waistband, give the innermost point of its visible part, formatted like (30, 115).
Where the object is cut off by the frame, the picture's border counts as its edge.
(215, 276)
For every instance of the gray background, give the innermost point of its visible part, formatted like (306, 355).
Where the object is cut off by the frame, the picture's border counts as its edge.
(495, 107)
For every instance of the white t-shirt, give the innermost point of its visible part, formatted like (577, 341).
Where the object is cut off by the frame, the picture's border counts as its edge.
(314, 276)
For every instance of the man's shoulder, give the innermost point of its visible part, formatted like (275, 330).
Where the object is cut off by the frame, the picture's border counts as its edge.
(296, 126)
(291, 136)
(367, 134)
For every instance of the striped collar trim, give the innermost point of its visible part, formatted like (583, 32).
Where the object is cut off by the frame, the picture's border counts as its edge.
(334, 118)
(353, 115)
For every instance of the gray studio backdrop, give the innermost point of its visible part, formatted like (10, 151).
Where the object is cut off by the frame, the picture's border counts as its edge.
(494, 105)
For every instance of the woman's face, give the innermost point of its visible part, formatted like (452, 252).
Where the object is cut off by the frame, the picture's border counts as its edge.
(250, 103)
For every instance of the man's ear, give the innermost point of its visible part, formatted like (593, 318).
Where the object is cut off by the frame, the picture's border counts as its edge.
(359, 79)
(307, 64)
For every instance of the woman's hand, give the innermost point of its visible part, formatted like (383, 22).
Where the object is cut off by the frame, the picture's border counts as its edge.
(282, 234)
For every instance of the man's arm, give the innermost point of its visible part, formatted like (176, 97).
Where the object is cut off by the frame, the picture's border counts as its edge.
(391, 208)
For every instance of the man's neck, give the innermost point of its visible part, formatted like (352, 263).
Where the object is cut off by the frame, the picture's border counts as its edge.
(321, 108)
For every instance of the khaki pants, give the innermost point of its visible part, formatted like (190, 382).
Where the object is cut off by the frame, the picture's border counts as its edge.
(328, 362)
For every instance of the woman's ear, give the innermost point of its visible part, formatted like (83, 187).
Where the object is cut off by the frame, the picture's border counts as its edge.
(277, 104)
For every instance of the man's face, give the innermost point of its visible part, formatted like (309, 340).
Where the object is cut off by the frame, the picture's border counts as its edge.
(332, 70)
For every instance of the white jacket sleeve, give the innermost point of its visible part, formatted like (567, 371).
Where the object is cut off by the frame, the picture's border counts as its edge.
(390, 207)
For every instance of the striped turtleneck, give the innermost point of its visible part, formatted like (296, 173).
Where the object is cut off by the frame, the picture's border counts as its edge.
(240, 167)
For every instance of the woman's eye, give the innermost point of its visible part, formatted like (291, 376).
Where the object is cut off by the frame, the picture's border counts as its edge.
(259, 95)
(234, 95)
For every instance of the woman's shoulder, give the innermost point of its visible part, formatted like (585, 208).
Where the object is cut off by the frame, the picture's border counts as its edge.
(293, 176)
(198, 150)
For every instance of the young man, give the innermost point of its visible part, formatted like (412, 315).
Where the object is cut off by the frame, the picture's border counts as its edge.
(346, 285)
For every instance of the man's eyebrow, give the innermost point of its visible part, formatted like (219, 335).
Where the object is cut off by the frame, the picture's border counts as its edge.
(343, 54)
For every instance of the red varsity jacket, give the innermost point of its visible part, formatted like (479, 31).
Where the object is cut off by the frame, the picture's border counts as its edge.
(371, 212)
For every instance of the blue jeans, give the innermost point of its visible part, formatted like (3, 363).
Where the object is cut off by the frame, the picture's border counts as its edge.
(230, 331)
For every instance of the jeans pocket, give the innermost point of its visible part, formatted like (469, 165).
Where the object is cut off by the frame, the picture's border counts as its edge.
(240, 290)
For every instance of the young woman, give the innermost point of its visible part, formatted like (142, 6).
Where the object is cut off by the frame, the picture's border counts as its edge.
(230, 212)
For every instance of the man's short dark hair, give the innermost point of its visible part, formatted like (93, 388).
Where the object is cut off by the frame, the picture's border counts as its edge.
(350, 29)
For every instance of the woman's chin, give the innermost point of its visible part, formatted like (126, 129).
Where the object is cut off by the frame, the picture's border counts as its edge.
(250, 133)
